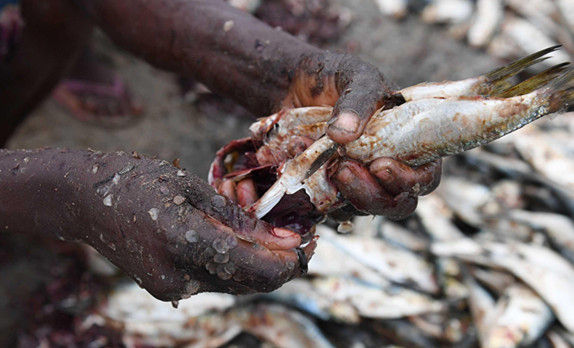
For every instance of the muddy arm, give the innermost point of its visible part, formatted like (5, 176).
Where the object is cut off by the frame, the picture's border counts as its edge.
(165, 228)
(230, 51)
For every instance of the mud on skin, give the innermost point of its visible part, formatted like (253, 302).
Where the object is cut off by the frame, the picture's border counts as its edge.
(165, 228)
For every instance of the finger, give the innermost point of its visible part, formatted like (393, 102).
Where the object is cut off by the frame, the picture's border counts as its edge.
(362, 89)
(246, 192)
(394, 176)
(244, 224)
(429, 176)
(364, 192)
(397, 177)
(228, 189)
(216, 258)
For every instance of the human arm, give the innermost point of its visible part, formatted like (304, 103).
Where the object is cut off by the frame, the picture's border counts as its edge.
(165, 228)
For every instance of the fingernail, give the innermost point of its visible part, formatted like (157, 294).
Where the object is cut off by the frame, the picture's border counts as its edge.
(347, 122)
(283, 232)
(344, 175)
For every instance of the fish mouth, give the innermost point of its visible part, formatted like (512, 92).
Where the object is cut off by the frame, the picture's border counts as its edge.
(238, 161)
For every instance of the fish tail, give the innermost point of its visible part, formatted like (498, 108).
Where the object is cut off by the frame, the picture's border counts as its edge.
(560, 92)
(535, 82)
(496, 79)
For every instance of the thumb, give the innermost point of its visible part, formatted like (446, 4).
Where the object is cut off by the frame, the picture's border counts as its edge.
(363, 90)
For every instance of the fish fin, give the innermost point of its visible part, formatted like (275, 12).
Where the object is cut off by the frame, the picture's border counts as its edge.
(269, 200)
(560, 92)
(496, 79)
(533, 83)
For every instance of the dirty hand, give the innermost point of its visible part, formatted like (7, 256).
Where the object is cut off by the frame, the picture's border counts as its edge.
(357, 89)
(164, 227)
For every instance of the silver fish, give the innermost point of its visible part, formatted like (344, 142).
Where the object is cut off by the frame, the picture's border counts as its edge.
(481, 306)
(395, 264)
(198, 321)
(559, 228)
(489, 15)
(545, 271)
(521, 318)
(372, 301)
(283, 327)
(422, 130)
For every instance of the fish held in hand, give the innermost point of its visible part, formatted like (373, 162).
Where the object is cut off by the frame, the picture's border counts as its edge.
(436, 120)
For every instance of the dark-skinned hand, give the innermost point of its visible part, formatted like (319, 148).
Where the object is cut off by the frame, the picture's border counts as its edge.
(357, 89)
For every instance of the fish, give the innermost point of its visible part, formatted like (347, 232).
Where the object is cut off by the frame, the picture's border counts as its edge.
(145, 321)
(304, 295)
(395, 8)
(331, 260)
(521, 318)
(372, 301)
(281, 326)
(466, 198)
(395, 264)
(484, 85)
(489, 15)
(424, 129)
(559, 228)
(482, 306)
(528, 37)
(447, 11)
(544, 270)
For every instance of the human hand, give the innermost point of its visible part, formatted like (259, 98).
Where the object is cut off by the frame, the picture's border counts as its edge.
(357, 89)
(167, 229)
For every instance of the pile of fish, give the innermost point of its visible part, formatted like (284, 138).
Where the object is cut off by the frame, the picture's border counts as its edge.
(505, 28)
(487, 260)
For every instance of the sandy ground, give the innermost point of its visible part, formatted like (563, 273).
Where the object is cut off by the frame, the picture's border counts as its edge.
(407, 51)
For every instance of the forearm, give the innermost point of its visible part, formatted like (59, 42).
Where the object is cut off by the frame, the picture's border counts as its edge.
(73, 196)
(137, 212)
(229, 51)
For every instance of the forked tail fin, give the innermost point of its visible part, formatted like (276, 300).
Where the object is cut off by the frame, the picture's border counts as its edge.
(497, 79)
(535, 82)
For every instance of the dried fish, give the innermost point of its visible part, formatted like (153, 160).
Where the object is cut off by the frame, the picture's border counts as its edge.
(401, 237)
(557, 340)
(497, 281)
(567, 11)
(484, 85)
(442, 326)
(548, 156)
(435, 216)
(538, 12)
